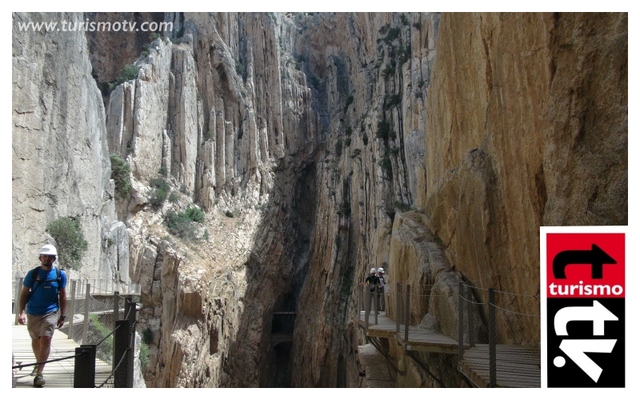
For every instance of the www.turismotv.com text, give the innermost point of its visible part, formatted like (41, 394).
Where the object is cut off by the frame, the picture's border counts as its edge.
(93, 26)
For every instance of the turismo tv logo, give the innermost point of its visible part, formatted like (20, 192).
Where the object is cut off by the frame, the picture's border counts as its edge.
(585, 309)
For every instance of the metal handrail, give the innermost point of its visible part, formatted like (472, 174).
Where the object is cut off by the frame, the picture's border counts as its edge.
(20, 366)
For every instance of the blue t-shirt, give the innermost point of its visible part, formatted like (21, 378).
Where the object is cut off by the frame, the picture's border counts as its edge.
(45, 298)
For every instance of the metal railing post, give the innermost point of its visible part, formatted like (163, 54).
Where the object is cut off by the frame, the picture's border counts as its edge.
(16, 305)
(116, 306)
(398, 307)
(367, 307)
(407, 315)
(84, 370)
(492, 339)
(460, 322)
(472, 340)
(72, 308)
(132, 313)
(85, 323)
(130, 310)
(120, 346)
(375, 305)
(362, 302)
(124, 345)
(358, 306)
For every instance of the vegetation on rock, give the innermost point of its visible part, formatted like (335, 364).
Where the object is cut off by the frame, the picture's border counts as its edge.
(69, 241)
(120, 171)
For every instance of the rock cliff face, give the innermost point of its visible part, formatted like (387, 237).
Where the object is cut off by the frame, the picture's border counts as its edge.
(60, 163)
(319, 146)
(527, 126)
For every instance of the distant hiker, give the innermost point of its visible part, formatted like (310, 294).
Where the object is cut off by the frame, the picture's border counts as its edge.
(382, 289)
(44, 297)
(372, 281)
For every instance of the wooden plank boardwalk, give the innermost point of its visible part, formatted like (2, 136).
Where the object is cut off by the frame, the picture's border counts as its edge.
(419, 339)
(57, 374)
(516, 366)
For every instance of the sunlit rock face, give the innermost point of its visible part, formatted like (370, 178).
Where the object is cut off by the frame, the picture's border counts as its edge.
(318, 145)
(60, 159)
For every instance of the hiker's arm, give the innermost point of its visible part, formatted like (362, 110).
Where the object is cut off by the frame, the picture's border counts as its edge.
(23, 304)
(63, 306)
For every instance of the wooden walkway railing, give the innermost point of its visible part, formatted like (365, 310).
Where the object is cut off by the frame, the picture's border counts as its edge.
(482, 360)
(57, 374)
(86, 365)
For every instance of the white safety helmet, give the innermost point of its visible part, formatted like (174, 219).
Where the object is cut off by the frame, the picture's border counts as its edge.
(381, 270)
(373, 271)
(48, 250)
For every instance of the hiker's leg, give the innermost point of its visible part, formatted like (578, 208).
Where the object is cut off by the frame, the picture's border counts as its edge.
(35, 345)
(43, 354)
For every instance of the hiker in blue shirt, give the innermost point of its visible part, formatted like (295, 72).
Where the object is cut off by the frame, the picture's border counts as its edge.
(44, 298)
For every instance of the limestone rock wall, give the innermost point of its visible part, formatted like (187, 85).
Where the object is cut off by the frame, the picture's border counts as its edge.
(321, 145)
(265, 95)
(374, 72)
(526, 126)
(207, 109)
(115, 39)
(60, 163)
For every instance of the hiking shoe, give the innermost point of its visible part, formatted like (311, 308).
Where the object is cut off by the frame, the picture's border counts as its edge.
(39, 380)
(35, 371)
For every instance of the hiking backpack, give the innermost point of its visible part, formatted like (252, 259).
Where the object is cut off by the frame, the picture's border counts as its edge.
(36, 274)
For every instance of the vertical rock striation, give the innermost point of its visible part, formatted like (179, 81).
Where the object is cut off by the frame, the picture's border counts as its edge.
(60, 164)
(526, 126)
(320, 145)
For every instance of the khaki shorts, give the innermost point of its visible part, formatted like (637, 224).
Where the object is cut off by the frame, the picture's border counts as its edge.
(42, 325)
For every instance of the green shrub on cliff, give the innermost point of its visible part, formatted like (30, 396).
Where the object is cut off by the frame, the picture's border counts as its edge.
(181, 223)
(159, 192)
(69, 241)
(128, 73)
(120, 171)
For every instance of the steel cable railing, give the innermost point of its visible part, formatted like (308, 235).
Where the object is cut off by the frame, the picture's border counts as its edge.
(488, 322)
(19, 365)
(471, 316)
(427, 307)
(116, 368)
(99, 313)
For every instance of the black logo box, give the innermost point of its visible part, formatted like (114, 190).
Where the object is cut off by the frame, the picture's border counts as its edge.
(612, 364)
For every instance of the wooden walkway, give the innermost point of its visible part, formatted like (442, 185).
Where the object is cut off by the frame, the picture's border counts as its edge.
(516, 366)
(419, 339)
(57, 374)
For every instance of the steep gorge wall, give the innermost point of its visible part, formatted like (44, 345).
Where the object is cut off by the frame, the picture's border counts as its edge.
(384, 62)
(270, 123)
(243, 111)
(526, 126)
(209, 109)
(60, 163)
